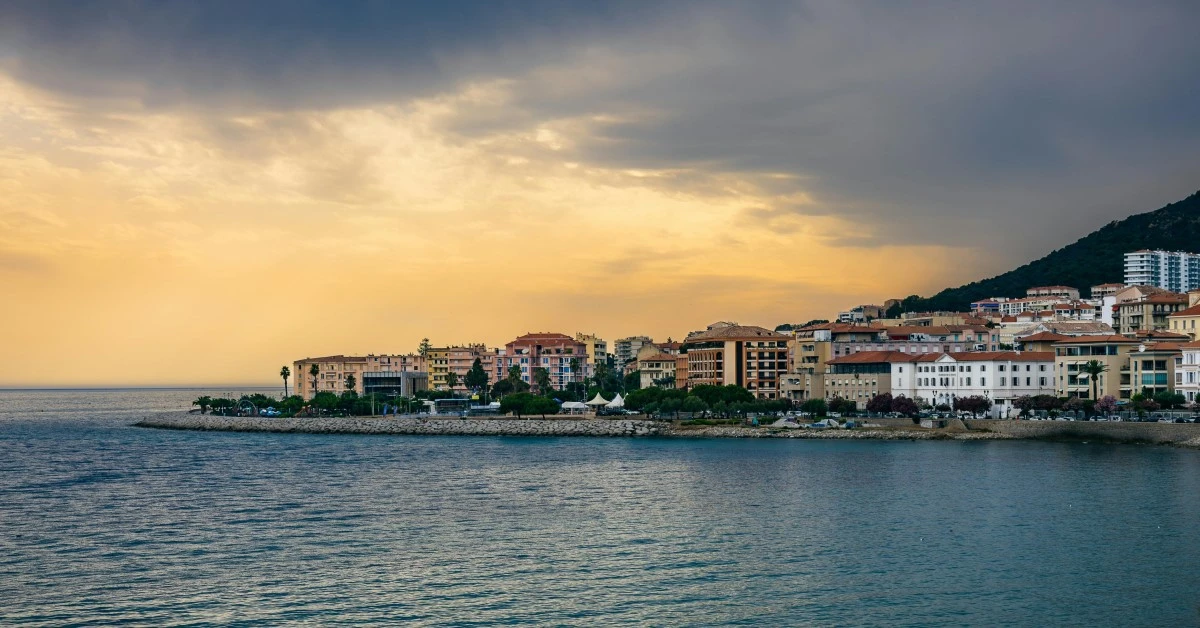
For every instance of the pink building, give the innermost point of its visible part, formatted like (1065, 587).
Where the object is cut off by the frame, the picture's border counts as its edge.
(564, 357)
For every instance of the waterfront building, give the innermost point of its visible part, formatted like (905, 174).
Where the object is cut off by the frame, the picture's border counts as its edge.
(657, 369)
(1177, 271)
(1001, 376)
(596, 347)
(563, 357)
(749, 356)
(1112, 351)
(625, 349)
(442, 361)
(334, 369)
(1152, 367)
(860, 376)
(1042, 341)
(1187, 372)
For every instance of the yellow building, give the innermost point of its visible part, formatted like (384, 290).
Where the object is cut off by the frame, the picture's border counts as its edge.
(333, 369)
(458, 360)
(1185, 321)
(1113, 352)
(597, 348)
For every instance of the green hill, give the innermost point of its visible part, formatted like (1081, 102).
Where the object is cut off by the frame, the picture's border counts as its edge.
(1094, 259)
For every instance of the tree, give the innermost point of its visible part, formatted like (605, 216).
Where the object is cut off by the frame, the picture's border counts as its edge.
(477, 378)
(880, 403)
(1106, 404)
(904, 406)
(451, 380)
(285, 373)
(633, 380)
(543, 406)
(541, 380)
(324, 402)
(315, 372)
(424, 347)
(351, 383)
(815, 406)
(975, 404)
(516, 403)
(1094, 368)
(1169, 400)
(693, 405)
(575, 369)
(514, 373)
(204, 402)
(842, 406)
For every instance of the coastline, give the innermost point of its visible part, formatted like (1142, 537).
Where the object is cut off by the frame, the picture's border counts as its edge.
(1143, 433)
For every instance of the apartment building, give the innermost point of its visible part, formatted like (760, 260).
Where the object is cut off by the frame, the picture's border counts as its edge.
(1112, 351)
(860, 376)
(333, 369)
(1062, 292)
(1149, 313)
(625, 349)
(1153, 367)
(745, 355)
(563, 357)
(596, 347)
(441, 361)
(657, 369)
(1176, 271)
(1187, 371)
(1185, 321)
(1100, 291)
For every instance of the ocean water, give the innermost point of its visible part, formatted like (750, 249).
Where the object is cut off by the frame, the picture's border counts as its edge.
(103, 523)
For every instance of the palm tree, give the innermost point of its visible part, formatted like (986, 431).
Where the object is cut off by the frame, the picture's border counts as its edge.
(285, 373)
(1094, 368)
(315, 371)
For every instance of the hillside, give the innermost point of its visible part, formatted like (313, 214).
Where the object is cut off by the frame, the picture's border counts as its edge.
(1094, 259)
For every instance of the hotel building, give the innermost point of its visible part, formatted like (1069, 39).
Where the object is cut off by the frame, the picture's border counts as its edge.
(748, 356)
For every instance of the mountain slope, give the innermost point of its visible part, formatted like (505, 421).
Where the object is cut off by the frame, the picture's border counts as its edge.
(1094, 259)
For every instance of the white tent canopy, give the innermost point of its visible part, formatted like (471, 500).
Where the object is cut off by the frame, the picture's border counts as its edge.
(574, 405)
(598, 401)
(617, 402)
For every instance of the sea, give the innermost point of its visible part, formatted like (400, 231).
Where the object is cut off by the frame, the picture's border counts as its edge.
(102, 523)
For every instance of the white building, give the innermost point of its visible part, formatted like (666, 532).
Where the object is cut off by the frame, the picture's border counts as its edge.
(1001, 376)
(1176, 271)
(1187, 372)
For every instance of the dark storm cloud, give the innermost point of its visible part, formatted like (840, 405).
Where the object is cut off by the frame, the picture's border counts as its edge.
(1014, 127)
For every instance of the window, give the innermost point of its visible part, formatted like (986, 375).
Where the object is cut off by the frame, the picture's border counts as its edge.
(1028, 381)
(983, 381)
(1002, 381)
(1042, 382)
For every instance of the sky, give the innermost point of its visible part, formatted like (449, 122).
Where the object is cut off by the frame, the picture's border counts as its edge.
(200, 192)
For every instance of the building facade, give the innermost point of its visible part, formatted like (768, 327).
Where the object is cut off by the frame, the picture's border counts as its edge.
(1150, 313)
(625, 350)
(596, 347)
(657, 369)
(1070, 356)
(441, 361)
(1187, 372)
(748, 356)
(333, 370)
(1001, 376)
(1176, 271)
(564, 358)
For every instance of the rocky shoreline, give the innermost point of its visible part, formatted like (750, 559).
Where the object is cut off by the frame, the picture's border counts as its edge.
(558, 426)
(1144, 433)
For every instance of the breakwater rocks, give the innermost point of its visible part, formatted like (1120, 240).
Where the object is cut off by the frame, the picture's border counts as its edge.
(1185, 435)
(405, 425)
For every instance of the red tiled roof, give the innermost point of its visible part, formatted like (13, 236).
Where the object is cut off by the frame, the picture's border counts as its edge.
(1164, 346)
(1044, 336)
(873, 357)
(736, 332)
(1087, 340)
(1191, 311)
(1003, 356)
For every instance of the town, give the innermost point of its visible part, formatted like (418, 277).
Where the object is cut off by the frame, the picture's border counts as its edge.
(1129, 346)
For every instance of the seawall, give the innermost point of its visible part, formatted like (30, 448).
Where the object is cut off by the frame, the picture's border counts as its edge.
(1187, 435)
(402, 425)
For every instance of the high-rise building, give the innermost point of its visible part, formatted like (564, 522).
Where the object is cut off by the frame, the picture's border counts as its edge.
(748, 356)
(1176, 271)
(597, 348)
(625, 349)
(564, 358)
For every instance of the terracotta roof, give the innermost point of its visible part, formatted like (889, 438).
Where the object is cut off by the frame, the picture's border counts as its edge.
(1086, 340)
(543, 335)
(736, 332)
(1164, 346)
(1004, 356)
(658, 357)
(1195, 344)
(1044, 336)
(1150, 334)
(1109, 285)
(1008, 319)
(1191, 311)
(873, 357)
(1164, 297)
(336, 358)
